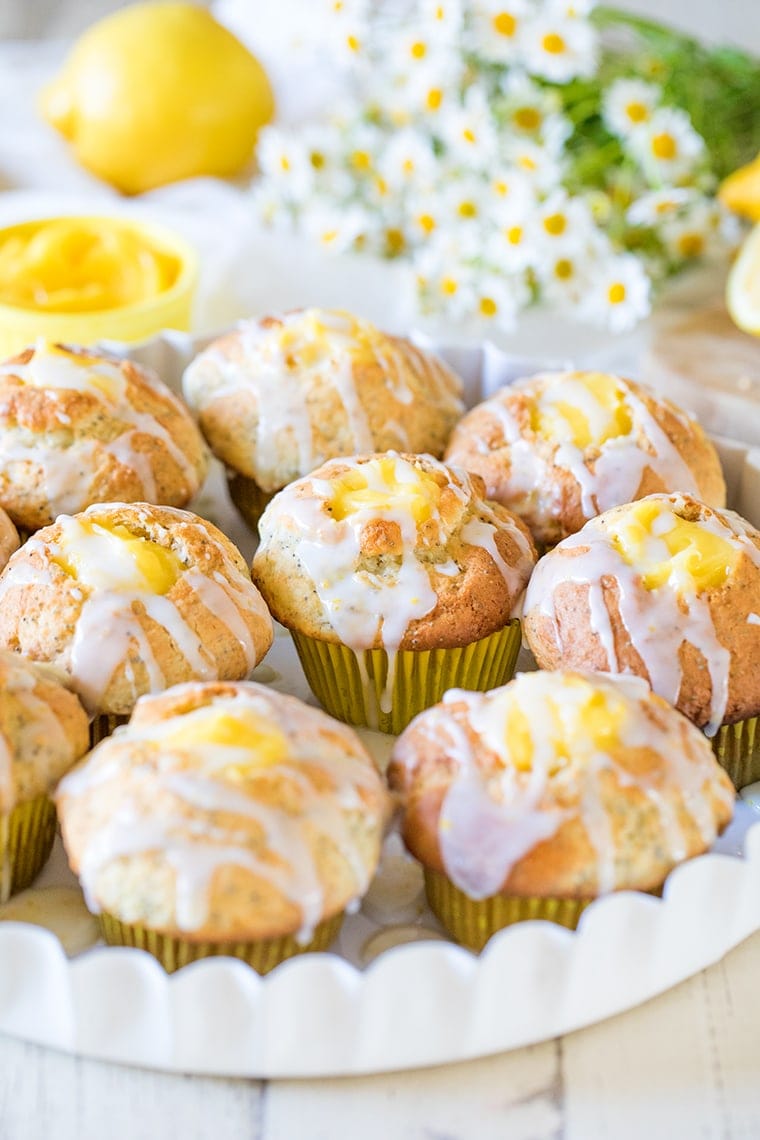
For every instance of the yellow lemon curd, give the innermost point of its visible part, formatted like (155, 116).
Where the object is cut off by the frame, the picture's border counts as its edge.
(110, 557)
(56, 366)
(240, 729)
(661, 545)
(584, 409)
(308, 339)
(582, 721)
(384, 483)
(82, 265)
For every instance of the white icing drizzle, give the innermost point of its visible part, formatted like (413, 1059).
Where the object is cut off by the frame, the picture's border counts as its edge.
(66, 465)
(493, 815)
(657, 621)
(196, 844)
(279, 377)
(615, 473)
(108, 627)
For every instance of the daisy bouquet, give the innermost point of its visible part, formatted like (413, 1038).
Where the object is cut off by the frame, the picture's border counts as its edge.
(517, 151)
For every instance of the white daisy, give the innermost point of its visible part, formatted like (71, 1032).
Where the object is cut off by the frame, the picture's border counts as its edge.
(667, 146)
(559, 48)
(467, 201)
(563, 278)
(498, 299)
(511, 244)
(407, 159)
(334, 227)
(537, 163)
(497, 27)
(284, 157)
(561, 223)
(618, 295)
(527, 105)
(443, 18)
(469, 130)
(654, 207)
(628, 103)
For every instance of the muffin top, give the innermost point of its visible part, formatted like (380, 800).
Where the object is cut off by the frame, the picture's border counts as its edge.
(43, 730)
(561, 447)
(279, 396)
(666, 588)
(391, 551)
(128, 599)
(225, 811)
(557, 784)
(79, 427)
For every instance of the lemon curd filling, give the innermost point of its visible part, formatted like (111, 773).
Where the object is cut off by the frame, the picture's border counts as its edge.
(385, 483)
(584, 409)
(667, 548)
(81, 265)
(313, 335)
(243, 730)
(55, 366)
(581, 722)
(110, 557)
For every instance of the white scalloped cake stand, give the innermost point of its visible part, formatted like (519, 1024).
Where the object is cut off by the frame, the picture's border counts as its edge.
(414, 1005)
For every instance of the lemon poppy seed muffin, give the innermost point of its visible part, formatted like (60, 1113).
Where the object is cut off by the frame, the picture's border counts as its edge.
(281, 395)
(129, 598)
(43, 732)
(667, 588)
(533, 799)
(224, 819)
(561, 447)
(78, 427)
(400, 557)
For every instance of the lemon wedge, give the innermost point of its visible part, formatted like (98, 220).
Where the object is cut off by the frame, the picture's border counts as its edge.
(740, 192)
(743, 286)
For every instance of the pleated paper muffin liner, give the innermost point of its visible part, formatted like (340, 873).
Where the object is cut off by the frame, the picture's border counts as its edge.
(103, 725)
(472, 921)
(737, 747)
(173, 951)
(249, 498)
(354, 687)
(26, 840)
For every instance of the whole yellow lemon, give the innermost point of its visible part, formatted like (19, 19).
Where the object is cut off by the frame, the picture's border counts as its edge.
(157, 92)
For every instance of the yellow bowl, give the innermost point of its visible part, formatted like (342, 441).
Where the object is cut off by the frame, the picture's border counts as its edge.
(21, 326)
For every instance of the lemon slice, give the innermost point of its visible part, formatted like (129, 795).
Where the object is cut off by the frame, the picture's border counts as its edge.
(743, 286)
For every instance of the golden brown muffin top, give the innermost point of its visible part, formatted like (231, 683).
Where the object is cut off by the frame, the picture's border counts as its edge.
(43, 730)
(667, 588)
(281, 395)
(557, 784)
(225, 811)
(128, 599)
(561, 447)
(78, 426)
(391, 551)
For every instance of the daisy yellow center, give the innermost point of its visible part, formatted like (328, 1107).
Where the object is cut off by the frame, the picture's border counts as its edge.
(434, 98)
(469, 135)
(418, 50)
(564, 269)
(504, 24)
(637, 112)
(663, 546)
(553, 43)
(488, 307)
(514, 235)
(395, 241)
(467, 210)
(354, 43)
(361, 160)
(385, 483)
(616, 293)
(527, 118)
(449, 286)
(426, 222)
(555, 224)
(691, 245)
(664, 146)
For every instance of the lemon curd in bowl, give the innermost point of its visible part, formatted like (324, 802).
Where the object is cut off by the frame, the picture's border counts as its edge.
(84, 279)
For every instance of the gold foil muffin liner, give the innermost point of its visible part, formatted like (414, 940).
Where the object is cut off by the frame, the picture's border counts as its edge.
(249, 498)
(472, 921)
(737, 747)
(353, 685)
(103, 725)
(175, 952)
(26, 839)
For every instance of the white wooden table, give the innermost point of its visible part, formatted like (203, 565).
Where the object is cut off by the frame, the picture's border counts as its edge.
(684, 1065)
